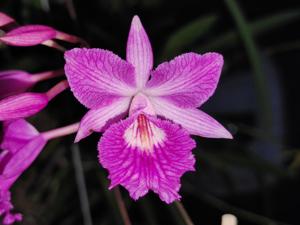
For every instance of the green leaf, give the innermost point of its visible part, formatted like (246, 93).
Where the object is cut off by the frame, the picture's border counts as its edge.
(258, 27)
(187, 35)
(259, 77)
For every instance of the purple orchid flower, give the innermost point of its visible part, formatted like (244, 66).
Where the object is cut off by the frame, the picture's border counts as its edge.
(21, 144)
(152, 148)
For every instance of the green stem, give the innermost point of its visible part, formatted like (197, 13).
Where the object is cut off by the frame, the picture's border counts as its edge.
(122, 206)
(81, 186)
(184, 215)
(260, 81)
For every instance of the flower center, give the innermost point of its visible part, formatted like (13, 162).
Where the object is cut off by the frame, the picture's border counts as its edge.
(144, 134)
(141, 103)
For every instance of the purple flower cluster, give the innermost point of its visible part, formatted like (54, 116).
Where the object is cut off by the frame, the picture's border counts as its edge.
(146, 115)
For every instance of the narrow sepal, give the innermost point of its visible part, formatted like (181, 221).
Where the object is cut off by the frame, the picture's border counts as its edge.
(139, 52)
(195, 121)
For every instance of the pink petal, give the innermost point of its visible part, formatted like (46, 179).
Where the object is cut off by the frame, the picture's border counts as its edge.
(5, 208)
(5, 19)
(188, 80)
(14, 82)
(23, 158)
(194, 121)
(139, 52)
(5, 201)
(145, 153)
(16, 134)
(21, 144)
(22, 105)
(28, 35)
(98, 77)
(99, 119)
(11, 218)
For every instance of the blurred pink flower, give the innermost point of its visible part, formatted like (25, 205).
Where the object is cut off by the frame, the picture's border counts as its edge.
(17, 81)
(33, 34)
(14, 82)
(21, 144)
(28, 35)
(145, 152)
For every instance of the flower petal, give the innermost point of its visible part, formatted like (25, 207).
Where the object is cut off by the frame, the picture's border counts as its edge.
(6, 207)
(98, 77)
(188, 80)
(139, 52)
(22, 105)
(23, 158)
(145, 153)
(28, 35)
(99, 119)
(5, 19)
(14, 82)
(194, 121)
(16, 134)
(17, 155)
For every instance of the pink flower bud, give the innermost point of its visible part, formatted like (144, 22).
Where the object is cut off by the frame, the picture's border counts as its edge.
(17, 81)
(14, 82)
(22, 105)
(28, 35)
(27, 104)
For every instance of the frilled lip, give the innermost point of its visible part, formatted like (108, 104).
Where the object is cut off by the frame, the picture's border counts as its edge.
(145, 153)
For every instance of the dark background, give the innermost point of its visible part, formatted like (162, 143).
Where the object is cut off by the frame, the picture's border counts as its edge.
(254, 176)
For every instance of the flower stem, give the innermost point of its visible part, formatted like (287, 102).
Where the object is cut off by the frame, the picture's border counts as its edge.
(47, 75)
(71, 39)
(122, 206)
(53, 44)
(81, 186)
(57, 89)
(62, 131)
(260, 80)
(185, 216)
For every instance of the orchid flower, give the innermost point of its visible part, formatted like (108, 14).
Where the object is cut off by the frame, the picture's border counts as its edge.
(152, 148)
(20, 146)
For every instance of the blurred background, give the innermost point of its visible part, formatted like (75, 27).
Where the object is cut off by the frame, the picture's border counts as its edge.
(255, 176)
